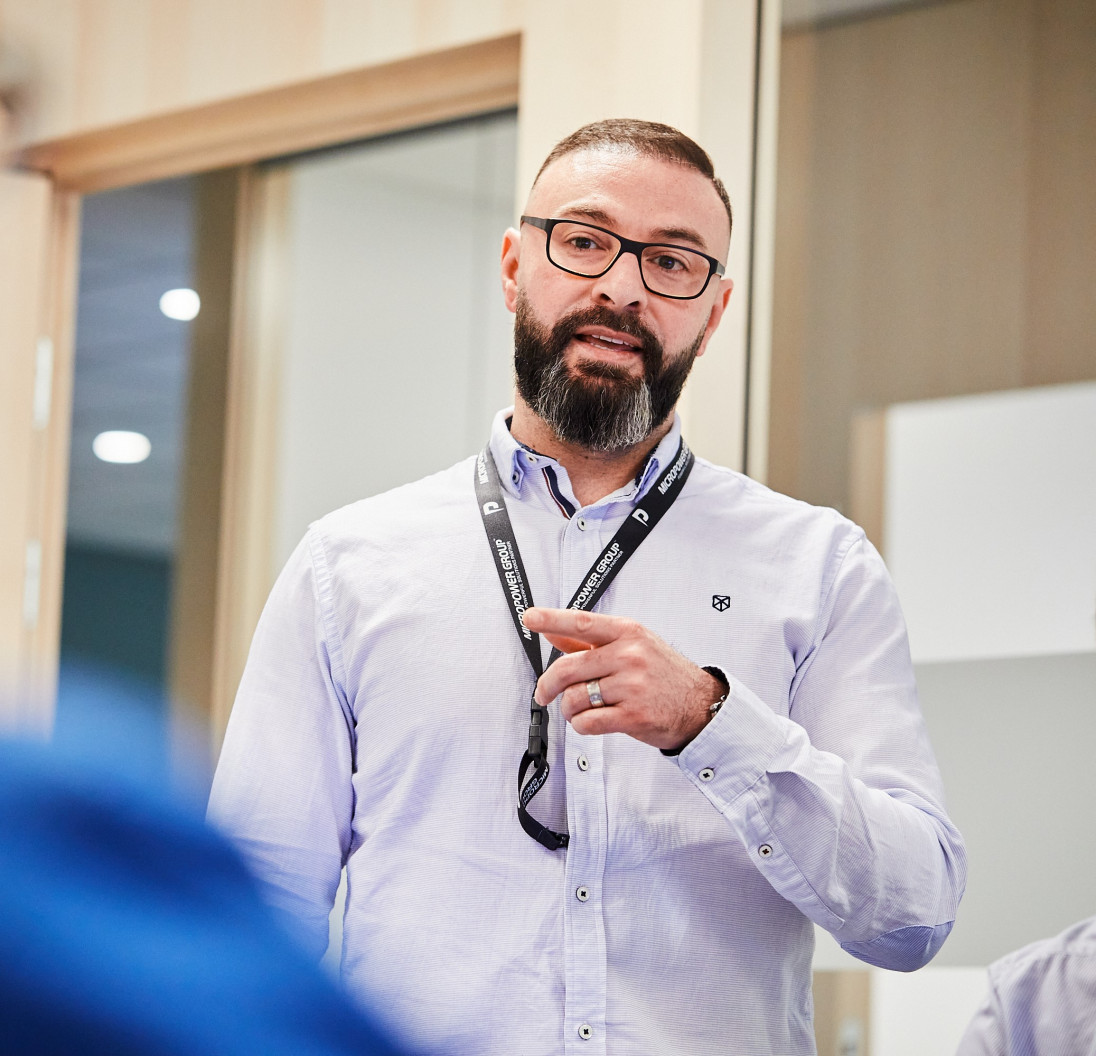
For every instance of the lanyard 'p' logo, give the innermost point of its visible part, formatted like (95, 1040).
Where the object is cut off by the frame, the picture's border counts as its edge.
(491, 507)
(641, 516)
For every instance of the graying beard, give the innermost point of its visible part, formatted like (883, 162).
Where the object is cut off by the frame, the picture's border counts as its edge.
(630, 422)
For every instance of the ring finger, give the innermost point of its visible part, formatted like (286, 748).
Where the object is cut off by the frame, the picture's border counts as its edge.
(583, 695)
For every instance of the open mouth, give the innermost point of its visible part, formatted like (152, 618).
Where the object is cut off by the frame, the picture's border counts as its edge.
(609, 340)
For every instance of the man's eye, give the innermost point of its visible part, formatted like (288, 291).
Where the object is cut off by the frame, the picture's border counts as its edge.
(581, 242)
(669, 262)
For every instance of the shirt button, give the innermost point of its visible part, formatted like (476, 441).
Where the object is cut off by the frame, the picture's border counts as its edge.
(516, 477)
(583, 763)
(765, 850)
(532, 458)
(581, 522)
(586, 1032)
(582, 893)
(706, 774)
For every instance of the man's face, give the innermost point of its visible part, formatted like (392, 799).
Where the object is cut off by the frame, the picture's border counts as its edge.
(602, 361)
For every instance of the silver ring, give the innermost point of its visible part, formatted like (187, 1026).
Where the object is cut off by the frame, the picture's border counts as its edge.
(593, 691)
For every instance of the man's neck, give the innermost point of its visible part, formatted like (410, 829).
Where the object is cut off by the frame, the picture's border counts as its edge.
(593, 474)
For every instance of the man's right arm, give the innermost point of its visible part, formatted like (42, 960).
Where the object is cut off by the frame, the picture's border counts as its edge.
(282, 790)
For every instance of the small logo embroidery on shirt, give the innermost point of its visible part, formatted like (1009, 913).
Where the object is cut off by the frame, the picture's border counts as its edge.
(721, 602)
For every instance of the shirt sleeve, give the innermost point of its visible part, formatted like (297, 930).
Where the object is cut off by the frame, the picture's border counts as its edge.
(840, 804)
(283, 789)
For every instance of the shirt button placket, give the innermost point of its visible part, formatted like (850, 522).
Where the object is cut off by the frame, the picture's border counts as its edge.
(585, 957)
(585, 971)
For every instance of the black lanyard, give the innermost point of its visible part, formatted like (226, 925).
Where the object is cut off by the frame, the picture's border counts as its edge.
(515, 585)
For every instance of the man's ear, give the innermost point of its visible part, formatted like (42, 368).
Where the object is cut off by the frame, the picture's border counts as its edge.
(720, 306)
(511, 257)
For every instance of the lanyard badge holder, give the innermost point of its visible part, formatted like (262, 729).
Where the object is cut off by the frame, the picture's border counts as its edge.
(515, 586)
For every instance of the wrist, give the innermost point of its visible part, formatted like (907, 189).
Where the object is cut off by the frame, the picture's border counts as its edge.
(713, 694)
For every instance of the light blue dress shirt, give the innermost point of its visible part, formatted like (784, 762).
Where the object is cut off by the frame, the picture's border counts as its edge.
(384, 711)
(1041, 1001)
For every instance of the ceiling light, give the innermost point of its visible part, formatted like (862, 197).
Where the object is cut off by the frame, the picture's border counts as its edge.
(180, 304)
(118, 445)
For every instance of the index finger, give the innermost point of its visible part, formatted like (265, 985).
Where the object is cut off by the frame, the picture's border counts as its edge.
(593, 628)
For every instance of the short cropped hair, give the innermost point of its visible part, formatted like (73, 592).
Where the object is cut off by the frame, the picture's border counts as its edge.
(648, 139)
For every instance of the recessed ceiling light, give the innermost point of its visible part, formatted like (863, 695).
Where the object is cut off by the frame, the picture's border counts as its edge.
(118, 445)
(180, 304)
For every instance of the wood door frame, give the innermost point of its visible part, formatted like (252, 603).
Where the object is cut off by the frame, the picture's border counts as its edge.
(339, 108)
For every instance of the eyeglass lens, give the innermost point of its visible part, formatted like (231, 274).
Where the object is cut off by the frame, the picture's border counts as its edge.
(585, 250)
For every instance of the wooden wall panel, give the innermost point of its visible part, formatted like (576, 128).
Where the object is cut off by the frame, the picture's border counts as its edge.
(37, 297)
(107, 62)
(1060, 322)
(335, 109)
(935, 218)
(194, 591)
(24, 219)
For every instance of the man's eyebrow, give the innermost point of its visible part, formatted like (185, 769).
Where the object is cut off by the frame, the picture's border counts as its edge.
(682, 234)
(663, 234)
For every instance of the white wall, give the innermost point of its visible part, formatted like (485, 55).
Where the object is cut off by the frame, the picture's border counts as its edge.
(990, 523)
(923, 1013)
(398, 348)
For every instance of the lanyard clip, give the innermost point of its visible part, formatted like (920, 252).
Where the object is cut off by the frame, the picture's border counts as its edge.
(538, 731)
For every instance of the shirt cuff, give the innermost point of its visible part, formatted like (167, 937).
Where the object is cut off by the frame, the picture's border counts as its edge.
(734, 751)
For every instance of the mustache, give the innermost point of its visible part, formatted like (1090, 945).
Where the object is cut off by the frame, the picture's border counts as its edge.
(598, 315)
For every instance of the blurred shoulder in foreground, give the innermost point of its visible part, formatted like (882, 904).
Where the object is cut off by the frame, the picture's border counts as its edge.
(127, 926)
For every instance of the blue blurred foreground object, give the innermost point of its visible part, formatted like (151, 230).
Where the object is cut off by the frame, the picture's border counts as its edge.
(129, 927)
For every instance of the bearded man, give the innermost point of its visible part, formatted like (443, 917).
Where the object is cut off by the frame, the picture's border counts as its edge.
(621, 847)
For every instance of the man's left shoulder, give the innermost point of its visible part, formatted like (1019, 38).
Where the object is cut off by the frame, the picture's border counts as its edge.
(752, 506)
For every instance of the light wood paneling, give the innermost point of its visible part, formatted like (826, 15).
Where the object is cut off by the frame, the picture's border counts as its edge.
(792, 261)
(24, 219)
(248, 495)
(103, 63)
(936, 217)
(420, 90)
(37, 270)
(1060, 330)
(195, 577)
(867, 473)
(842, 1012)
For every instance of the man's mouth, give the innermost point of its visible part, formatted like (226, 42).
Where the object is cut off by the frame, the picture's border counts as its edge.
(609, 340)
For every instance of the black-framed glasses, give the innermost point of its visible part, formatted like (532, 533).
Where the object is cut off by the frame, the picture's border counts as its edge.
(590, 251)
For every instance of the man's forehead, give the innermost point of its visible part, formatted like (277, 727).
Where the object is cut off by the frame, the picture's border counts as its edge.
(617, 184)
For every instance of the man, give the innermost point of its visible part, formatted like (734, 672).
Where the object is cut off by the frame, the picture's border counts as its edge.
(734, 747)
(1042, 999)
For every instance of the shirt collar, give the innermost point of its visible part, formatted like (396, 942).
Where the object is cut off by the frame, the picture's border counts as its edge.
(514, 460)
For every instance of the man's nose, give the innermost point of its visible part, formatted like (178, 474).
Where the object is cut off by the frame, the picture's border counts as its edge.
(622, 284)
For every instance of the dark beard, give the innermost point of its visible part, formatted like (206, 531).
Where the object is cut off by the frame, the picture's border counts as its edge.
(598, 407)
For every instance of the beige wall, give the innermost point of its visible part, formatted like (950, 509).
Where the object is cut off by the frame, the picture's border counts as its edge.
(936, 218)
